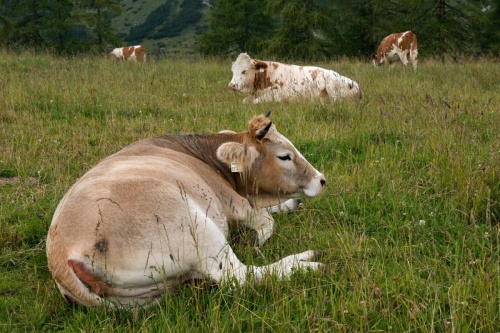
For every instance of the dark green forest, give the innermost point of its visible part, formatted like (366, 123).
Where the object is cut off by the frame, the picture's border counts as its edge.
(288, 29)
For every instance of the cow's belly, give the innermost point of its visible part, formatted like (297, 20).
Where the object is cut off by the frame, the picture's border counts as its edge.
(138, 225)
(393, 55)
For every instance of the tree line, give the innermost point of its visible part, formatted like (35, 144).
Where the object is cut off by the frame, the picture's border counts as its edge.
(288, 29)
(64, 26)
(316, 29)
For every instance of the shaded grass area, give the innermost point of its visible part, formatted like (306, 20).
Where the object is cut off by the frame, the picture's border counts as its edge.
(409, 222)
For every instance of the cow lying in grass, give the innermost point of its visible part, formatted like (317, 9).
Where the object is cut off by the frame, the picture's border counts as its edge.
(157, 213)
(266, 81)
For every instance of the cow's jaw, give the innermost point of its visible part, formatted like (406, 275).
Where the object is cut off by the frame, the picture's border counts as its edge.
(316, 186)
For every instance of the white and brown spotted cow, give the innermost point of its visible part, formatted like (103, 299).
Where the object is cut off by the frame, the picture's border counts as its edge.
(266, 81)
(135, 53)
(158, 212)
(396, 47)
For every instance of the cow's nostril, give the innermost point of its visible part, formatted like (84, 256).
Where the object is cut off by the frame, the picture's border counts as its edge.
(323, 182)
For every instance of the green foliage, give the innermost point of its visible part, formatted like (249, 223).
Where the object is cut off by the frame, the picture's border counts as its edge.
(64, 26)
(491, 41)
(98, 15)
(314, 29)
(155, 19)
(236, 26)
(442, 26)
(300, 34)
(166, 21)
(288, 30)
(409, 221)
(189, 14)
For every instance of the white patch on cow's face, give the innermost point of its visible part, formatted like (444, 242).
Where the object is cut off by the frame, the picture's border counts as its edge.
(243, 74)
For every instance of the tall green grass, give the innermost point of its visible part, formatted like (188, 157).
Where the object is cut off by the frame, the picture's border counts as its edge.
(409, 223)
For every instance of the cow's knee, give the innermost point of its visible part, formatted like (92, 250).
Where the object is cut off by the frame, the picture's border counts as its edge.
(263, 224)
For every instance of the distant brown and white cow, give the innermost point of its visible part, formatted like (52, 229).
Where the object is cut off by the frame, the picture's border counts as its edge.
(135, 53)
(266, 81)
(158, 212)
(397, 47)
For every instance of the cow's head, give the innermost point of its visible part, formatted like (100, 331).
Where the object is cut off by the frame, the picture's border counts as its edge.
(349, 88)
(270, 163)
(244, 69)
(377, 60)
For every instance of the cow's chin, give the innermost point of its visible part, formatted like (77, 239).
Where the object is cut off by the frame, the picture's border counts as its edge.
(314, 190)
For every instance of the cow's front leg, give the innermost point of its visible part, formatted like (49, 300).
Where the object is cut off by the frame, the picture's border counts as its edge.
(288, 206)
(263, 223)
(269, 95)
(220, 264)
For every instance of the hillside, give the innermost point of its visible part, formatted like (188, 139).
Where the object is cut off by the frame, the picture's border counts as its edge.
(164, 27)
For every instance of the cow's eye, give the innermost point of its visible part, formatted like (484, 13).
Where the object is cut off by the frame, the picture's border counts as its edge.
(285, 157)
(244, 72)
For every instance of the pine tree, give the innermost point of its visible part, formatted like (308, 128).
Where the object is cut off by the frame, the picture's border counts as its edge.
(301, 30)
(236, 26)
(96, 16)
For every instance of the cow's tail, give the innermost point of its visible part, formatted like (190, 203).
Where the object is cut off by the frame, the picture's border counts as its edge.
(73, 278)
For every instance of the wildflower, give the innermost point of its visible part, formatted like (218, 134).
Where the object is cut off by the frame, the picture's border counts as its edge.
(421, 222)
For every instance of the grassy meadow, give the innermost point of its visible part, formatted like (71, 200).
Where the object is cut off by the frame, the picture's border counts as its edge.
(409, 222)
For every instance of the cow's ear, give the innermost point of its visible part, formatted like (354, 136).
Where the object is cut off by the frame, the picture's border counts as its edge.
(257, 64)
(238, 156)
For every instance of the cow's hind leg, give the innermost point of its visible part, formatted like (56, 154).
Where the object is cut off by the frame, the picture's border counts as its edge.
(413, 59)
(403, 56)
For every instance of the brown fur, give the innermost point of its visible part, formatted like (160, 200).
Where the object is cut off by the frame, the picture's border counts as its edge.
(386, 46)
(261, 80)
(127, 52)
(140, 53)
(314, 74)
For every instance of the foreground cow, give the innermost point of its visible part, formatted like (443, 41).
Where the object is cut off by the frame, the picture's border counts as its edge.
(135, 53)
(267, 81)
(396, 47)
(157, 213)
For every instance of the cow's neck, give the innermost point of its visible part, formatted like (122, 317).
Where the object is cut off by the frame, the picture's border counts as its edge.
(261, 80)
(203, 148)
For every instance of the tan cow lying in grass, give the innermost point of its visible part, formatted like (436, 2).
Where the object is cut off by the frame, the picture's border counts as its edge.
(157, 213)
(266, 81)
